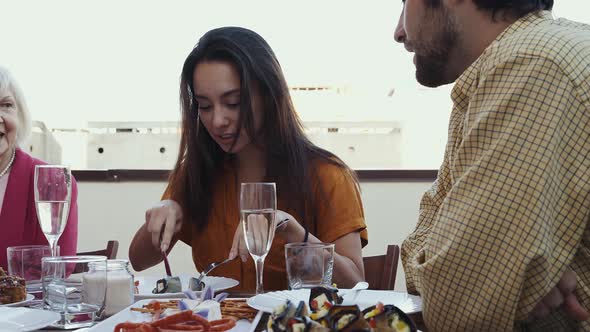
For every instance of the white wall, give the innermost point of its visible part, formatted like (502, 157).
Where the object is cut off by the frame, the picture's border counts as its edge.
(115, 210)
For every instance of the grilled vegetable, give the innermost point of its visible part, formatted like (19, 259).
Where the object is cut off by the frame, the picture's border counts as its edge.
(347, 318)
(388, 318)
(168, 285)
(327, 314)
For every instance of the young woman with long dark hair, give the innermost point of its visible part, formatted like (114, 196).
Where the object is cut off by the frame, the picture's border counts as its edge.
(239, 125)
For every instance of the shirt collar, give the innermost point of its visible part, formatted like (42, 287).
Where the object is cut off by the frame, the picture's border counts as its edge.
(466, 84)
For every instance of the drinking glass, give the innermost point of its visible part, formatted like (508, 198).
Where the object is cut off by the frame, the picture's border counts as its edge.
(309, 264)
(75, 287)
(25, 262)
(258, 206)
(53, 191)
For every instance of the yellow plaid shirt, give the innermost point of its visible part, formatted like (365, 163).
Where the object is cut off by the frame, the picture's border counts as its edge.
(510, 208)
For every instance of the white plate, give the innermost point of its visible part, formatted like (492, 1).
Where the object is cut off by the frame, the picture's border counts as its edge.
(147, 284)
(24, 319)
(138, 317)
(20, 303)
(365, 298)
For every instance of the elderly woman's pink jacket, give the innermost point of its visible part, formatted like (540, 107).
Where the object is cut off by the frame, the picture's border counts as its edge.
(18, 219)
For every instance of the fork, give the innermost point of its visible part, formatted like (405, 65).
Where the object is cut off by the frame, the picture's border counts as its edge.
(208, 269)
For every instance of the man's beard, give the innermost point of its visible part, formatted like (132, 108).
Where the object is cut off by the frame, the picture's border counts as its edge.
(433, 57)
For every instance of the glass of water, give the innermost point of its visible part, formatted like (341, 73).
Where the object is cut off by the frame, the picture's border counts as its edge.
(25, 262)
(75, 287)
(258, 207)
(53, 192)
(309, 264)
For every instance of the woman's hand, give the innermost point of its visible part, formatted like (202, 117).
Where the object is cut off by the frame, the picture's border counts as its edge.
(162, 222)
(562, 295)
(290, 229)
(238, 247)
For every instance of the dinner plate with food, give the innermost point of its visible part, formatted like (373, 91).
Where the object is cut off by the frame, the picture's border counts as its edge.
(23, 302)
(363, 298)
(324, 309)
(13, 291)
(150, 287)
(211, 313)
(180, 286)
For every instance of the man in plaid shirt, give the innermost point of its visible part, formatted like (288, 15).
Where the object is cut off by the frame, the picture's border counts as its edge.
(502, 241)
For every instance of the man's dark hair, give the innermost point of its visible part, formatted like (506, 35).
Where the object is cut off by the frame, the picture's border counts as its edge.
(510, 8)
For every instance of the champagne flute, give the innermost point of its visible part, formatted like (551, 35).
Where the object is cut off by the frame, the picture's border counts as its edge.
(258, 207)
(53, 191)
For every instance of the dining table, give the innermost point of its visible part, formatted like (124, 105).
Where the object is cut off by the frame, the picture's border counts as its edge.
(261, 326)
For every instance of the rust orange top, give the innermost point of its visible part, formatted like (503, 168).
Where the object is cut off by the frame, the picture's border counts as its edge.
(342, 214)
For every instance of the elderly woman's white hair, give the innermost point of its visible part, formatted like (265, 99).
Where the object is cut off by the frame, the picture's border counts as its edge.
(8, 83)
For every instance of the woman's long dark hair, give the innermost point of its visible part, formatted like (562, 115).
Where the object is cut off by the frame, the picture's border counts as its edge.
(289, 153)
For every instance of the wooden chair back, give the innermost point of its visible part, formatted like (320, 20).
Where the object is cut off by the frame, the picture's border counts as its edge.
(110, 252)
(380, 271)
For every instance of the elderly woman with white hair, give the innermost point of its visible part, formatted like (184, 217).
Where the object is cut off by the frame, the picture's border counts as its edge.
(18, 216)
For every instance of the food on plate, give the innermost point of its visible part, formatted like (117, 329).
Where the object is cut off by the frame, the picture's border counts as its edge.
(182, 321)
(237, 308)
(209, 309)
(168, 285)
(195, 284)
(330, 293)
(328, 314)
(288, 317)
(172, 285)
(346, 318)
(12, 288)
(188, 314)
(321, 299)
(388, 317)
(154, 306)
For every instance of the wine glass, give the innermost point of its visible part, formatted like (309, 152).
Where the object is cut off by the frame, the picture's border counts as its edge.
(53, 191)
(258, 207)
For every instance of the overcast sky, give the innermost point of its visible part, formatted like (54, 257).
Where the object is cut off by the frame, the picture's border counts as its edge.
(120, 60)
